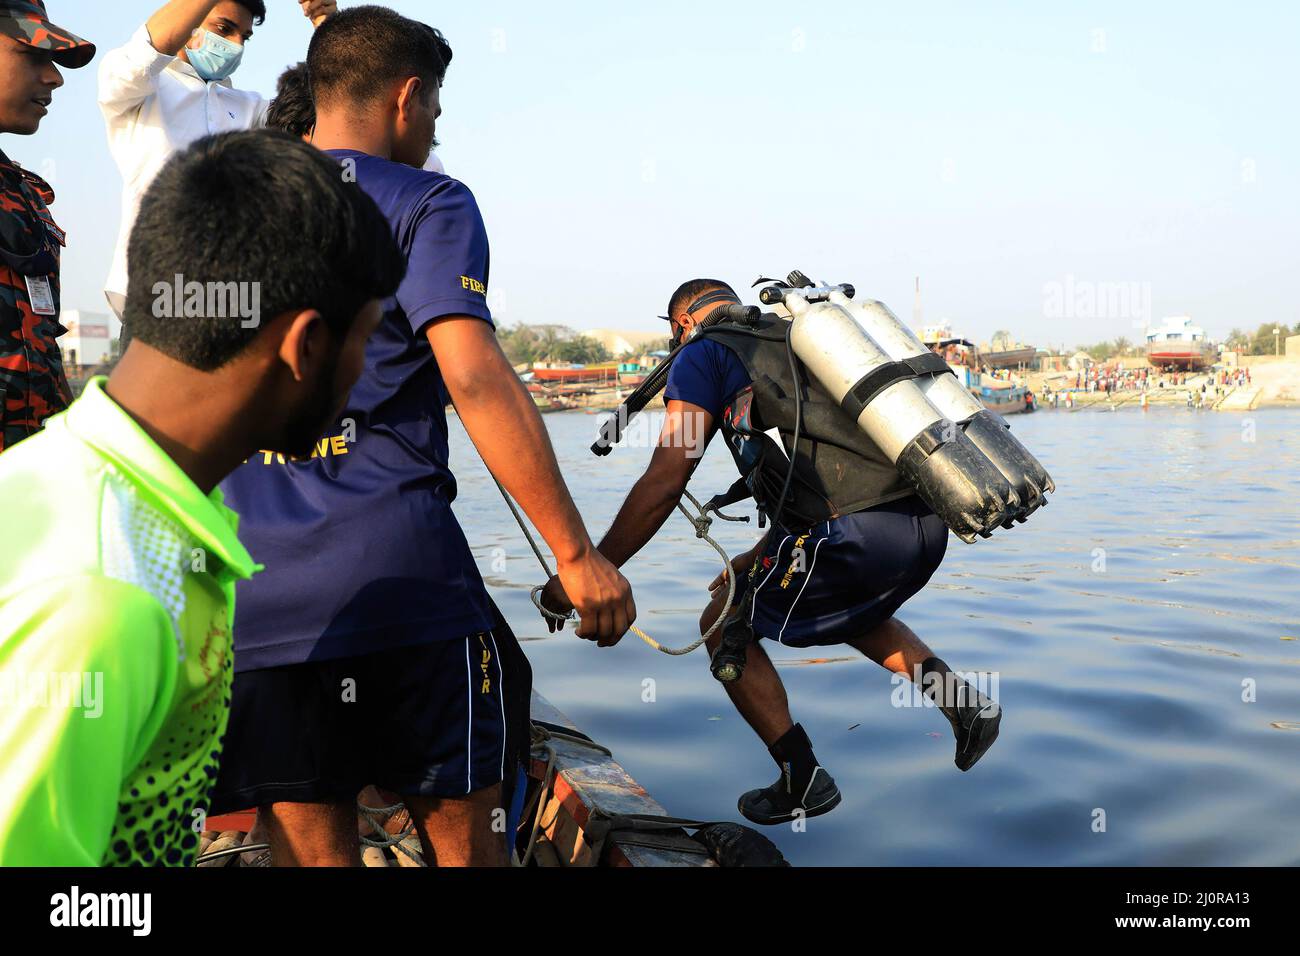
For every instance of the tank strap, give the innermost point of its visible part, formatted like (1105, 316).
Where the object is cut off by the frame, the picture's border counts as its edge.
(869, 386)
(872, 384)
(931, 363)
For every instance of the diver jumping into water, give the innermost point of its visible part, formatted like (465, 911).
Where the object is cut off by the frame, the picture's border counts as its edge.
(807, 583)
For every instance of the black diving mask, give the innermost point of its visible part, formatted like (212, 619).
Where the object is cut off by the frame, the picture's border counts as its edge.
(709, 298)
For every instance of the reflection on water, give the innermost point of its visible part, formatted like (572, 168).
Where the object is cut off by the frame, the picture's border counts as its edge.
(1126, 623)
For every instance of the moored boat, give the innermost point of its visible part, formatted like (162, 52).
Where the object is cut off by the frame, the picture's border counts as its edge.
(631, 374)
(1021, 357)
(996, 394)
(1002, 396)
(604, 373)
(1180, 345)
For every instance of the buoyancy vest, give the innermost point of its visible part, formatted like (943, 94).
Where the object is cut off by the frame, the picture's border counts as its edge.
(838, 470)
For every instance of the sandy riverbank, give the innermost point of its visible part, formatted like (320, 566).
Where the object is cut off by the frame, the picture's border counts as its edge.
(1278, 379)
(1275, 383)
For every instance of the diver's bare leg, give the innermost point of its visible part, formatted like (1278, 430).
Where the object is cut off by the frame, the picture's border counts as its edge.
(974, 718)
(759, 695)
(895, 647)
(804, 788)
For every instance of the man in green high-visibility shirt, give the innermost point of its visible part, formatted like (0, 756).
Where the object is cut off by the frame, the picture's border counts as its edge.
(257, 277)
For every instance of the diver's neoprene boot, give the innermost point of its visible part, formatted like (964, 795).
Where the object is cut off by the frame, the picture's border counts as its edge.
(803, 788)
(974, 717)
(975, 725)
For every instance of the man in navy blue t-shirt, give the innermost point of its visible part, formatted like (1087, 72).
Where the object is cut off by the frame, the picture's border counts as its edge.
(368, 651)
(838, 582)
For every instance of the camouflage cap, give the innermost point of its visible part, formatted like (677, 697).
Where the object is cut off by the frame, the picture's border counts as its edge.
(26, 22)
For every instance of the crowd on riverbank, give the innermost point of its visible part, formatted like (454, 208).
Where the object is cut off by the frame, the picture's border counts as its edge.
(1266, 384)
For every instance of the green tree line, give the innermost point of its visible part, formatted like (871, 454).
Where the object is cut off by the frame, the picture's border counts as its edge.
(1262, 341)
(1105, 351)
(549, 343)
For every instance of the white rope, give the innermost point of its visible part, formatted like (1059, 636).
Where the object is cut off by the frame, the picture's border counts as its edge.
(701, 522)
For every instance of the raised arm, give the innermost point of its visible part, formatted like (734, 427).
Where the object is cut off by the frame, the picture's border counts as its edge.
(318, 11)
(128, 75)
(174, 23)
(171, 27)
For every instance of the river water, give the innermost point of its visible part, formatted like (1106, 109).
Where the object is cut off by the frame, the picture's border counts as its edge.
(1143, 632)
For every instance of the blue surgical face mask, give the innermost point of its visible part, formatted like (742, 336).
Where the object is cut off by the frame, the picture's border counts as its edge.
(216, 59)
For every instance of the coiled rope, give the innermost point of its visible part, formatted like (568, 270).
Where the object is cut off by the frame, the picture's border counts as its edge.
(377, 817)
(701, 522)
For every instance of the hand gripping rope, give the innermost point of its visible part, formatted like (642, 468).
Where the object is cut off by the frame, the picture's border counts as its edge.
(701, 522)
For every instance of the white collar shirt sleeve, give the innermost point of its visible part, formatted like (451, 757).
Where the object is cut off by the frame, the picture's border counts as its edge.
(155, 104)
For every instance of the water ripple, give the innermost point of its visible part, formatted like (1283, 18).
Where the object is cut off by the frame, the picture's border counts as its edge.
(1139, 629)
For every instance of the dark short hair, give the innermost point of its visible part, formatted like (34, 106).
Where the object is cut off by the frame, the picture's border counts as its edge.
(292, 110)
(689, 291)
(253, 211)
(257, 8)
(358, 52)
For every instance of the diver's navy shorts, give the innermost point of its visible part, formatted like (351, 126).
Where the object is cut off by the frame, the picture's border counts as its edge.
(424, 720)
(844, 577)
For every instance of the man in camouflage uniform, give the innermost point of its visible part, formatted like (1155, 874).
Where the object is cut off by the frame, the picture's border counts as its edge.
(32, 384)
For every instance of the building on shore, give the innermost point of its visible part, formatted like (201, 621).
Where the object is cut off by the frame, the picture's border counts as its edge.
(620, 342)
(89, 339)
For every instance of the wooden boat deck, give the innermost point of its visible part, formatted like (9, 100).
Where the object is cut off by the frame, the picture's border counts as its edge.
(588, 784)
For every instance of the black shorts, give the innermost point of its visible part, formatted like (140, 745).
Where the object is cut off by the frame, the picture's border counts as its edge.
(425, 720)
(845, 577)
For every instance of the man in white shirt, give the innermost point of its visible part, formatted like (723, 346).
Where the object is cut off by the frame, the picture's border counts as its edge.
(169, 86)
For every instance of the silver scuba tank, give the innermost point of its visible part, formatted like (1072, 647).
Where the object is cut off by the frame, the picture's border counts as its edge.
(929, 450)
(987, 430)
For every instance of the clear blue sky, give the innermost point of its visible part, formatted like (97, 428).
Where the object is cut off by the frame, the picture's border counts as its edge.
(990, 148)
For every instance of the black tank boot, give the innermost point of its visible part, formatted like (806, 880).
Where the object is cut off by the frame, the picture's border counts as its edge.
(975, 718)
(803, 789)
